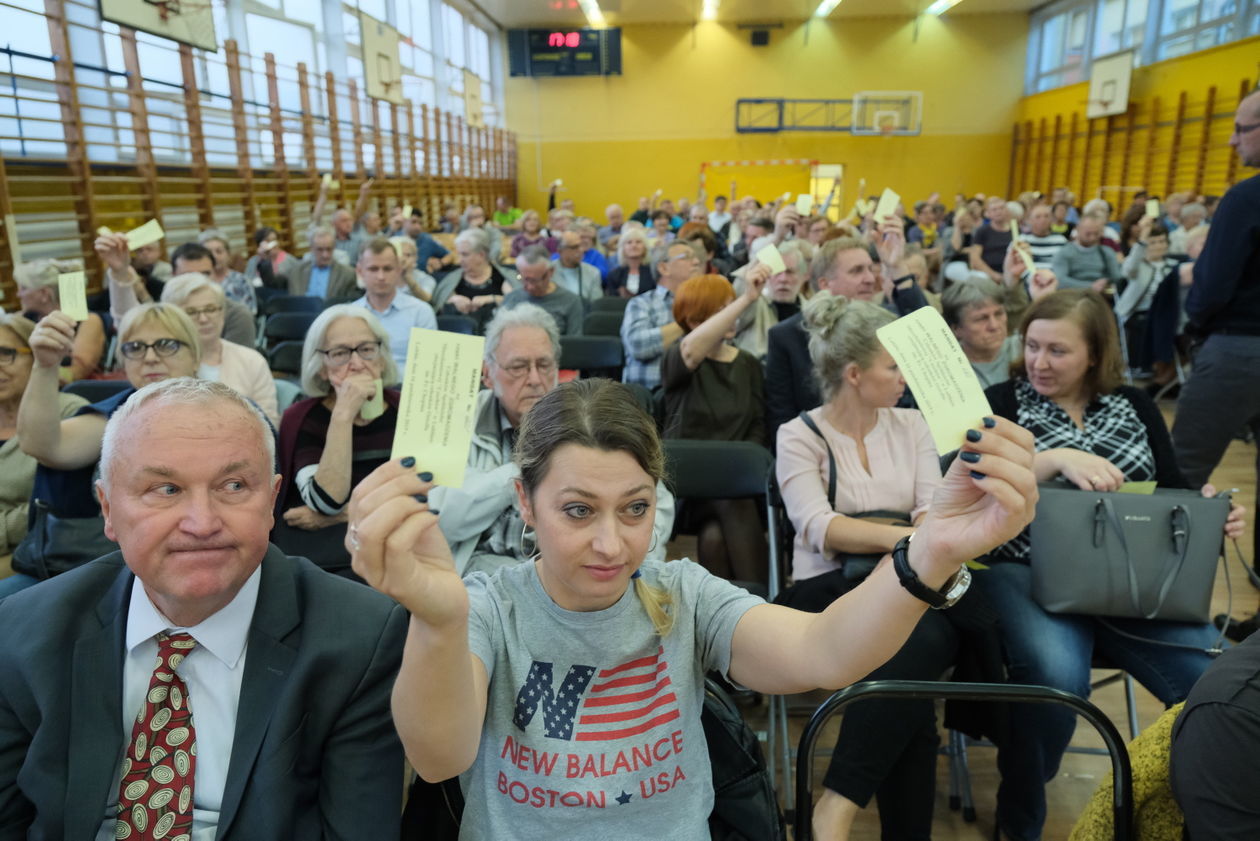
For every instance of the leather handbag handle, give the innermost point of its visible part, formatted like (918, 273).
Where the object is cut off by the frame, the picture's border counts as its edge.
(1179, 529)
(831, 458)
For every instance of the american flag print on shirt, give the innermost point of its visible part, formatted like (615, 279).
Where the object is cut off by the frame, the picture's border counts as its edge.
(596, 705)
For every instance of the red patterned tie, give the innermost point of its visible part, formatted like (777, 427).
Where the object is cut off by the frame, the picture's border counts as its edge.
(155, 796)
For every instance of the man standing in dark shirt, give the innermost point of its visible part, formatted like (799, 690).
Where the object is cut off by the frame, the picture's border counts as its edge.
(1223, 393)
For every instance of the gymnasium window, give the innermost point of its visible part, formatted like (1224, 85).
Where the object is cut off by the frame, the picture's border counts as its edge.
(1066, 36)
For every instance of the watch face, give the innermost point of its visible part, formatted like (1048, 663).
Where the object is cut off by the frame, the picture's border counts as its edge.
(958, 586)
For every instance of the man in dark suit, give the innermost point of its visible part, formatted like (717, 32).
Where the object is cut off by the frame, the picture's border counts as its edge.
(323, 276)
(267, 713)
(841, 267)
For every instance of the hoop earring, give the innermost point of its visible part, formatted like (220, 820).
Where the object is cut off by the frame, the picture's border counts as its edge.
(526, 534)
(655, 538)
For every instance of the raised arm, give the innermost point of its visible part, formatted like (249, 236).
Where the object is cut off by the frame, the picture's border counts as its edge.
(365, 196)
(125, 289)
(439, 698)
(706, 338)
(42, 434)
(777, 649)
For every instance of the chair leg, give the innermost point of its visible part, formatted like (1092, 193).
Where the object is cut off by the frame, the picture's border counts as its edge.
(1130, 697)
(960, 777)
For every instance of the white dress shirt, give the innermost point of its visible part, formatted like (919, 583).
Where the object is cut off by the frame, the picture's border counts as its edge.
(212, 673)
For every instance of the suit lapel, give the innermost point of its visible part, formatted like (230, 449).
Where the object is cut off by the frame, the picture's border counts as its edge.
(268, 660)
(96, 713)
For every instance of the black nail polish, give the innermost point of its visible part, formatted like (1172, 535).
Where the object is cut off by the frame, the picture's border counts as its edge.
(976, 474)
(970, 458)
(425, 476)
(973, 435)
(420, 498)
(434, 511)
(989, 423)
(408, 462)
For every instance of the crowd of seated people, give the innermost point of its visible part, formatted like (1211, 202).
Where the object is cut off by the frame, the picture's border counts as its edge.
(724, 347)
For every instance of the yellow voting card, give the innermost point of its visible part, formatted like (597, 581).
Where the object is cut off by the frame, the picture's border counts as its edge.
(887, 205)
(72, 292)
(939, 375)
(331, 183)
(374, 406)
(1021, 248)
(771, 257)
(439, 397)
(1152, 208)
(406, 211)
(804, 204)
(147, 234)
(1145, 488)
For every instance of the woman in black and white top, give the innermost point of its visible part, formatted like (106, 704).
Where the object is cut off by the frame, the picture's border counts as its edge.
(1097, 434)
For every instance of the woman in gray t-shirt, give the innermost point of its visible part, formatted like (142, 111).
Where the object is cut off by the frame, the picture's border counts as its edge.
(567, 690)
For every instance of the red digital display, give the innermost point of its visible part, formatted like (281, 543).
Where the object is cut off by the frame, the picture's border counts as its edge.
(564, 39)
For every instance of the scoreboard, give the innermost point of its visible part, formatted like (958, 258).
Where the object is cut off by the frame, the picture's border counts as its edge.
(564, 52)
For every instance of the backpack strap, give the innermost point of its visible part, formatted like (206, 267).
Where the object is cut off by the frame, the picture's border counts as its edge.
(831, 457)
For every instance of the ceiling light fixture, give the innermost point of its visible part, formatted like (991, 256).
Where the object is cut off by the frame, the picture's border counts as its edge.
(594, 16)
(710, 9)
(940, 7)
(825, 8)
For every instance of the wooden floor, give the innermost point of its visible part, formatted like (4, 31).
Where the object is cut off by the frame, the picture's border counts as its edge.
(1079, 774)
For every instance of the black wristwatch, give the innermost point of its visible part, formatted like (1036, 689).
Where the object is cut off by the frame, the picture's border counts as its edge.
(947, 596)
(900, 280)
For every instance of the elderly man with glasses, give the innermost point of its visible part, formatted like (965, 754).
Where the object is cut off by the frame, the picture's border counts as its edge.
(648, 327)
(481, 520)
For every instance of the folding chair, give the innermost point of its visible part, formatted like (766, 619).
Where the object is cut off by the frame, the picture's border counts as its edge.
(290, 303)
(286, 358)
(602, 324)
(610, 303)
(994, 692)
(592, 356)
(287, 327)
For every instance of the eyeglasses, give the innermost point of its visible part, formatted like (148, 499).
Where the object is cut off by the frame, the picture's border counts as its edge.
(197, 312)
(335, 357)
(520, 368)
(1240, 129)
(9, 355)
(162, 347)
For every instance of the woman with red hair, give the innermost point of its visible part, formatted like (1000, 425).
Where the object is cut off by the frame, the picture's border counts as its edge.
(713, 391)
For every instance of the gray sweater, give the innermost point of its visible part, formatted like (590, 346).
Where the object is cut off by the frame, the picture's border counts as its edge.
(1078, 268)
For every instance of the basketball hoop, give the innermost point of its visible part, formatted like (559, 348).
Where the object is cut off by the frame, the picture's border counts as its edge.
(887, 129)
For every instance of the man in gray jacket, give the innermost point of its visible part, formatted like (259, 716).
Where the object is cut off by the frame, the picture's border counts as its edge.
(481, 520)
(1085, 262)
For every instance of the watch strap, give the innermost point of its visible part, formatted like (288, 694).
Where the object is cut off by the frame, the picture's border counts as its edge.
(945, 597)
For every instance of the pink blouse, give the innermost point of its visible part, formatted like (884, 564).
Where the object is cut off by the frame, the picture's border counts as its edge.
(905, 471)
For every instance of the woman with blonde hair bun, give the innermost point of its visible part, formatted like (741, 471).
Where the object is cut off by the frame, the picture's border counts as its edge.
(857, 475)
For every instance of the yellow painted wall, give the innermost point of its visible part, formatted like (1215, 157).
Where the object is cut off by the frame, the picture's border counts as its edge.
(1222, 66)
(620, 137)
(1154, 155)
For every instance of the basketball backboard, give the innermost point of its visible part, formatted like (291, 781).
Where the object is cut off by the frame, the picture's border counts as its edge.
(1109, 85)
(382, 71)
(186, 21)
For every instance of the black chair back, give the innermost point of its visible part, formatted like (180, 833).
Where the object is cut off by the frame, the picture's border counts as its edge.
(94, 391)
(286, 358)
(602, 324)
(610, 303)
(1122, 771)
(592, 355)
(288, 326)
(457, 324)
(290, 303)
(716, 469)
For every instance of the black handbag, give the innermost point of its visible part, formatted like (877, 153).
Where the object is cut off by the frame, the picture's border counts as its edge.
(1137, 556)
(54, 545)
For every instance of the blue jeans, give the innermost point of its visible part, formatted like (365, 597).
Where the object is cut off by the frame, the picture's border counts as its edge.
(1055, 649)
